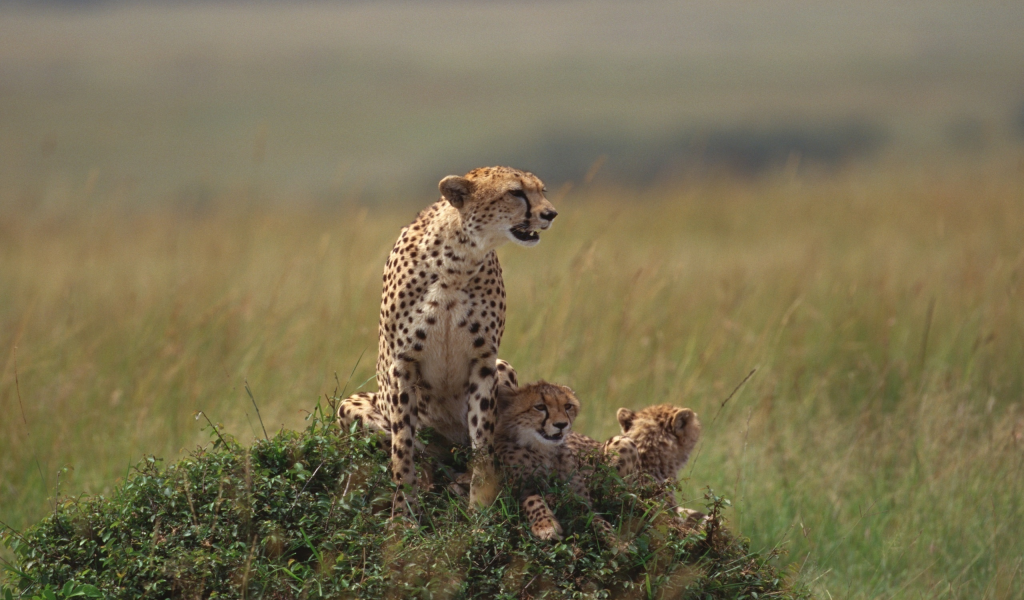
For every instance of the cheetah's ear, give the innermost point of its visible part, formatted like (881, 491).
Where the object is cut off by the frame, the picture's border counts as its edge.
(625, 417)
(455, 190)
(682, 419)
(503, 396)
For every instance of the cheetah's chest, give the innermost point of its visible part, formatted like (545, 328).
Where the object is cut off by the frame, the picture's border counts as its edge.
(457, 332)
(444, 363)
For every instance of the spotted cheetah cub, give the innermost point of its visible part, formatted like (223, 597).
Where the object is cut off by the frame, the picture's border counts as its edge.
(619, 452)
(533, 424)
(664, 435)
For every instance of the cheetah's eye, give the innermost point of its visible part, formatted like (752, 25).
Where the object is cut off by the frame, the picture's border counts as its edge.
(540, 407)
(568, 407)
(518, 193)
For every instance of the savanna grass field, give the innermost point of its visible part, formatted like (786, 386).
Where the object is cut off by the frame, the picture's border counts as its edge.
(851, 334)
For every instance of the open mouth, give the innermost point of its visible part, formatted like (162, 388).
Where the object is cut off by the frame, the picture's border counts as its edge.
(554, 437)
(523, 233)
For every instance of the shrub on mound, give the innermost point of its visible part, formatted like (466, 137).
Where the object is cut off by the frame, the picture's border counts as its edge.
(305, 515)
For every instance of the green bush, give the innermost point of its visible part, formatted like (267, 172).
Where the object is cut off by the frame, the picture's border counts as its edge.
(305, 514)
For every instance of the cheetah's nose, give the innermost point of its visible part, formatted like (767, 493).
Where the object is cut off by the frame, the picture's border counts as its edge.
(560, 426)
(548, 215)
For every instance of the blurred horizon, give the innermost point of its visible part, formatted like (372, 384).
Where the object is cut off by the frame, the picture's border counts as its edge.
(174, 101)
(196, 197)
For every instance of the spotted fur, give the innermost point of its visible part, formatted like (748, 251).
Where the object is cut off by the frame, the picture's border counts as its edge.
(664, 435)
(442, 317)
(534, 422)
(619, 452)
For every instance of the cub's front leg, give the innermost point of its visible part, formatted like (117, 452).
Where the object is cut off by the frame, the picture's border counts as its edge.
(578, 484)
(483, 416)
(543, 523)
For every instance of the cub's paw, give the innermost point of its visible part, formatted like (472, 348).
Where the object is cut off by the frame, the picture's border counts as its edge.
(692, 519)
(547, 529)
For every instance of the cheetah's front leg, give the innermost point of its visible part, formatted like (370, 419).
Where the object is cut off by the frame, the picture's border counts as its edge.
(402, 396)
(483, 488)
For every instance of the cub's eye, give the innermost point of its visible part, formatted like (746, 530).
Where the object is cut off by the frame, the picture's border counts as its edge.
(540, 407)
(518, 193)
(568, 407)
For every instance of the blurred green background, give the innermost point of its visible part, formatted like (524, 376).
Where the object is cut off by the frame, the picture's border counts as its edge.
(198, 194)
(174, 100)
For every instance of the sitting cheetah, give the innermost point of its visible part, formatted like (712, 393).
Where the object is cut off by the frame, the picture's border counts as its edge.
(533, 424)
(442, 316)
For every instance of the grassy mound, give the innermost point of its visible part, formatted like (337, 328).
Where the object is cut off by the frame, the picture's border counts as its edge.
(304, 514)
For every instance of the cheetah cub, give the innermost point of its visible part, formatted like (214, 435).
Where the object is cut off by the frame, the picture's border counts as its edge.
(533, 424)
(664, 437)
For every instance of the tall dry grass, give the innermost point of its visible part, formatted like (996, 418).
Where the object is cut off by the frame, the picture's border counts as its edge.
(881, 439)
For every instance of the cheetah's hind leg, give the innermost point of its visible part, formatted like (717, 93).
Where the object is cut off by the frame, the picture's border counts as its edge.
(362, 408)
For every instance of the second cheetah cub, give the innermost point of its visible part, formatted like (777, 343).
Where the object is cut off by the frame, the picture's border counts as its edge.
(534, 422)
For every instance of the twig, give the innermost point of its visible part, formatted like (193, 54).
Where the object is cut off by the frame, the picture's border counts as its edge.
(700, 446)
(56, 496)
(257, 410)
(743, 452)
(736, 389)
(188, 496)
(924, 338)
(349, 380)
(14, 531)
(307, 483)
(21, 405)
(17, 386)
(330, 513)
(248, 566)
(213, 426)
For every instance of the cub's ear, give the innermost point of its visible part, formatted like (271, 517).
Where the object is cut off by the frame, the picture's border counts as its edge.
(625, 417)
(455, 190)
(503, 396)
(683, 418)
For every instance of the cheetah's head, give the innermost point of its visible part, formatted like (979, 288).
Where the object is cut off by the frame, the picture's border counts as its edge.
(499, 204)
(665, 435)
(538, 414)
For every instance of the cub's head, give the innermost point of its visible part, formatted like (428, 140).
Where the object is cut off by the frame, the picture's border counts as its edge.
(498, 204)
(664, 436)
(538, 414)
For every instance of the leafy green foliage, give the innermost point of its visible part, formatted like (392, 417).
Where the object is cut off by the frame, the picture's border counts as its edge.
(305, 514)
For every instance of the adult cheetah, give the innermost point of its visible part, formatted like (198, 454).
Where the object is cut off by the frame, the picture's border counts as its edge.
(442, 316)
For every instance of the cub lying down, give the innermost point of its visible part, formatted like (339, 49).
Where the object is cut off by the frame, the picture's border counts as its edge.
(533, 424)
(664, 436)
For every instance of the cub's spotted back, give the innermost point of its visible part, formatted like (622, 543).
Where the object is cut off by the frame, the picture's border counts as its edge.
(664, 435)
